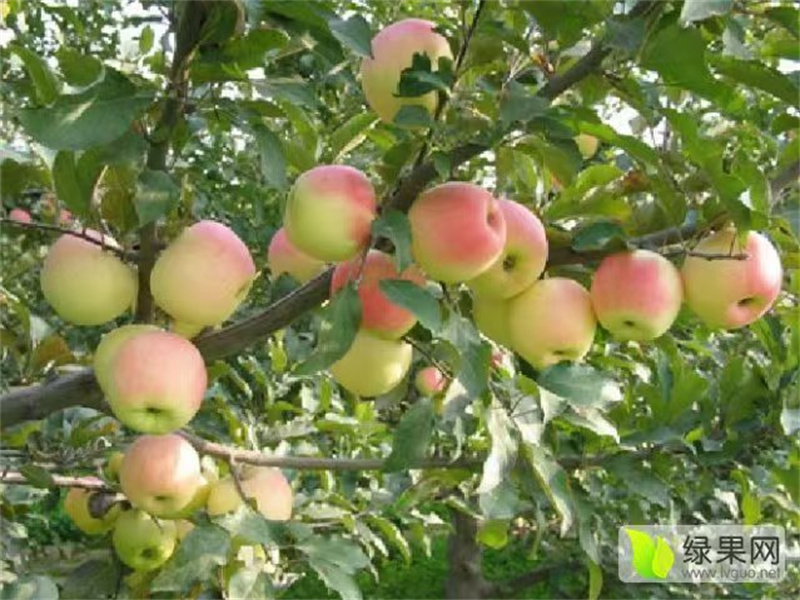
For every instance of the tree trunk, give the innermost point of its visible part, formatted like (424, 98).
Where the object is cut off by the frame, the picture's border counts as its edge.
(465, 578)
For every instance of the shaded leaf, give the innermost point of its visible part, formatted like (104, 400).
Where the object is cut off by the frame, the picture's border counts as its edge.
(503, 453)
(414, 299)
(601, 235)
(44, 82)
(394, 226)
(553, 480)
(273, 160)
(411, 437)
(156, 194)
(353, 33)
(199, 553)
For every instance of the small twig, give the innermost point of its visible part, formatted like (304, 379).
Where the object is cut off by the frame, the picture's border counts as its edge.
(64, 231)
(237, 481)
(706, 255)
(86, 483)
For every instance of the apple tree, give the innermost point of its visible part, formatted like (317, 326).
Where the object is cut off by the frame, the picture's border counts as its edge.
(294, 289)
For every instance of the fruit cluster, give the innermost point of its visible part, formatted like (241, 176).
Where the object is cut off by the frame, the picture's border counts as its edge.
(154, 380)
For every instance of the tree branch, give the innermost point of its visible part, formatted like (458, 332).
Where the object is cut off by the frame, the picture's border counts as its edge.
(78, 233)
(86, 483)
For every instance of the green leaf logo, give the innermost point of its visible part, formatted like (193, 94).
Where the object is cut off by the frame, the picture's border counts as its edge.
(652, 559)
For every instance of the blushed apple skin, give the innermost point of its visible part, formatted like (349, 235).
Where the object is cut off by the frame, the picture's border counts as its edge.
(76, 505)
(729, 294)
(268, 486)
(393, 50)
(107, 349)
(372, 366)
(491, 318)
(430, 381)
(85, 284)
(458, 231)
(157, 382)
(203, 276)
(523, 258)
(20, 215)
(636, 295)
(285, 257)
(329, 212)
(379, 315)
(143, 543)
(552, 321)
(160, 474)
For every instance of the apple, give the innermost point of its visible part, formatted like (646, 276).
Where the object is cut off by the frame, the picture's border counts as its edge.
(76, 505)
(156, 382)
(393, 50)
(197, 502)
(552, 321)
(183, 527)
(161, 474)
(458, 231)
(285, 257)
(379, 315)
(85, 284)
(203, 276)
(143, 542)
(728, 294)
(372, 366)
(587, 145)
(636, 295)
(329, 212)
(113, 465)
(430, 381)
(107, 349)
(523, 258)
(491, 318)
(20, 215)
(266, 485)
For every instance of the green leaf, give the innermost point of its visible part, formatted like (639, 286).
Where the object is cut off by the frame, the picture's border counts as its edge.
(67, 184)
(663, 558)
(786, 16)
(494, 533)
(30, 587)
(420, 79)
(392, 533)
(205, 548)
(146, 39)
(79, 69)
(251, 526)
(353, 33)
(699, 10)
(566, 21)
(758, 75)
(412, 437)
(335, 560)
(37, 476)
(601, 235)
(644, 549)
(413, 116)
(553, 480)
(593, 420)
(273, 160)
(98, 115)
(473, 354)
(519, 104)
(561, 157)
(249, 583)
(93, 579)
(44, 82)
(118, 191)
(503, 453)
(580, 385)
(415, 299)
(350, 134)
(294, 91)
(156, 194)
(394, 226)
(337, 331)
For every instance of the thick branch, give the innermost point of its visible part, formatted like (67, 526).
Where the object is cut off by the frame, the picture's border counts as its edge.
(87, 483)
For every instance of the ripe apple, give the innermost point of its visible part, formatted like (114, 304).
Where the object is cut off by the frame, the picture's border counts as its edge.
(160, 474)
(85, 284)
(587, 145)
(20, 215)
(197, 502)
(267, 485)
(156, 382)
(329, 212)
(728, 294)
(76, 505)
(109, 345)
(143, 542)
(491, 318)
(372, 365)
(285, 257)
(636, 295)
(393, 50)
(378, 314)
(430, 381)
(552, 321)
(523, 258)
(203, 276)
(458, 231)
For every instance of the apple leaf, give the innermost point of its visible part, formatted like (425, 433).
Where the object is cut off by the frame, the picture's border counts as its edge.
(601, 235)
(699, 10)
(473, 353)
(335, 560)
(412, 437)
(758, 75)
(37, 476)
(503, 453)
(201, 551)
(273, 159)
(250, 583)
(580, 385)
(156, 194)
(251, 526)
(44, 81)
(415, 299)
(79, 69)
(392, 533)
(30, 587)
(394, 226)
(353, 33)
(413, 116)
(554, 483)
(518, 104)
(93, 579)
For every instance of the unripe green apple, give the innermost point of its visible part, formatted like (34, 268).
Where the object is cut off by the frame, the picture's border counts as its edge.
(203, 276)
(76, 505)
(523, 258)
(552, 321)
(85, 284)
(393, 50)
(107, 349)
(197, 502)
(156, 381)
(372, 366)
(285, 257)
(491, 318)
(458, 231)
(430, 381)
(20, 215)
(266, 485)
(379, 315)
(161, 474)
(636, 295)
(142, 542)
(113, 465)
(329, 212)
(728, 294)
(587, 145)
